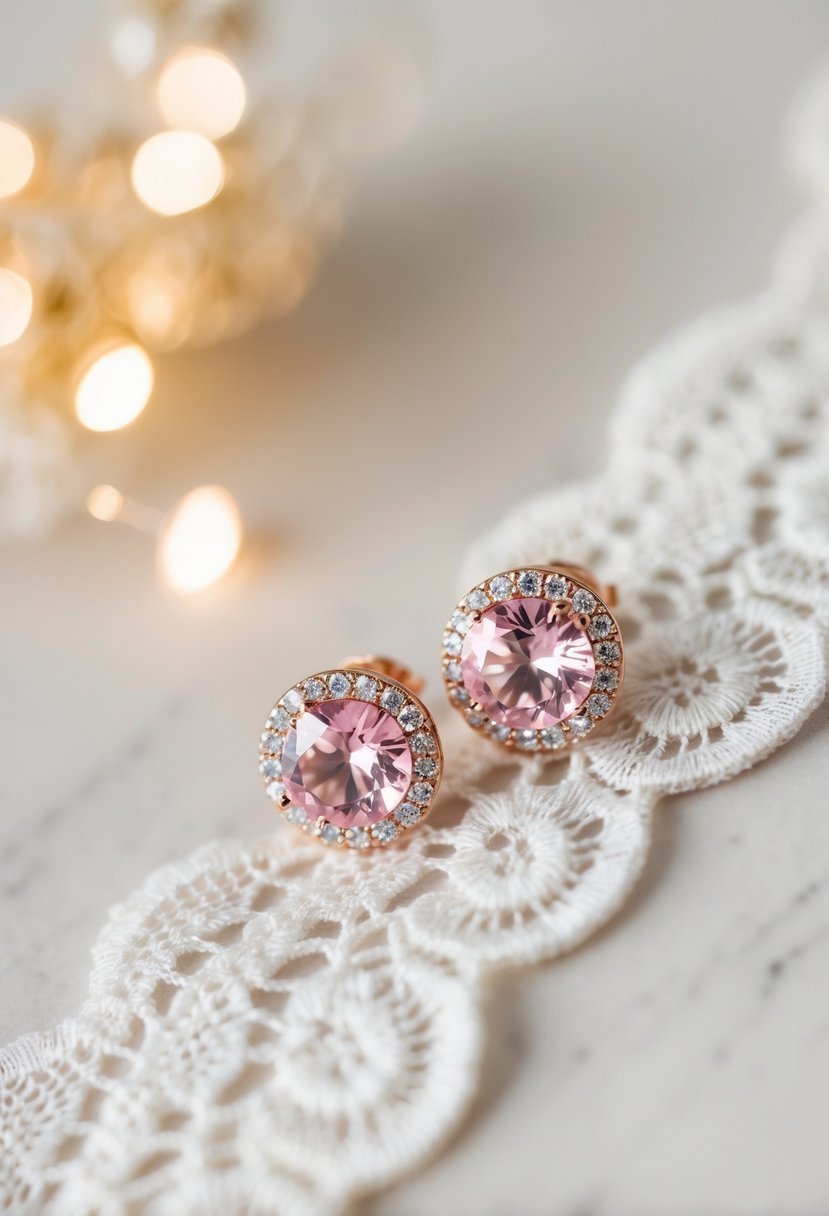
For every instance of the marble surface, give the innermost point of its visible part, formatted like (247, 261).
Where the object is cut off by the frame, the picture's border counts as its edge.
(584, 177)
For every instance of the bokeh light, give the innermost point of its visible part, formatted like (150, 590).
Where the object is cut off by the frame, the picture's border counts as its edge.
(105, 503)
(159, 300)
(133, 44)
(200, 540)
(201, 90)
(115, 388)
(17, 158)
(15, 305)
(177, 171)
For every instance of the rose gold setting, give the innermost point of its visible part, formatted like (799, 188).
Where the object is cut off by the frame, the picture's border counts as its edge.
(560, 583)
(375, 680)
(382, 665)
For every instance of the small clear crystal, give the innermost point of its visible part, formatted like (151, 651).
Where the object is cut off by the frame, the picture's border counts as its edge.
(526, 740)
(271, 743)
(293, 701)
(459, 695)
(529, 582)
(358, 838)
(606, 679)
(580, 726)
(385, 831)
(410, 717)
(551, 738)
(600, 626)
(460, 623)
(501, 587)
(392, 701)
(275, 790)
(339, 684)
(452, 643)
(422, 744)
(607, 652)
(474, 718)
(421, 793)
(452, 670)
(499, 731)
(295, 814)
(555, 587)
(425, 766)
(329, 833)
(271, 769)
(583, 601)
(407, 813)
(477, 600)
(598, 704)
(315, 689)
(365, 688)
(279, 719)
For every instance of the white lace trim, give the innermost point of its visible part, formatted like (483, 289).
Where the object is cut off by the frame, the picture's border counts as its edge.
(276, 1028)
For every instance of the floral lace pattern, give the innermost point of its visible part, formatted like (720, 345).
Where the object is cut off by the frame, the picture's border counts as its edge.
(253, 1007)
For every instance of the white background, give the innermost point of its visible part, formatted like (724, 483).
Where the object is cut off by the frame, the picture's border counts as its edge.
(585, 176)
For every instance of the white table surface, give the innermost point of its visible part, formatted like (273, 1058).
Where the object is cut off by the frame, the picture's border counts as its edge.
(586, 176)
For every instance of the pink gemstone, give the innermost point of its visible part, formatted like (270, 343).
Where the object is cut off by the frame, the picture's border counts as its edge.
(526, 666)
(346, 760)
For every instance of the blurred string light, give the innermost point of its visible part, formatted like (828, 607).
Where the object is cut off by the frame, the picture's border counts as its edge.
(198, 542)
(105, 503)
(115, 388)
(187, 210)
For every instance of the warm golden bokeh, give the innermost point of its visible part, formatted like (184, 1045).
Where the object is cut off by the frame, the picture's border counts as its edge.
(200, 540)
(133, 43)
(159, 300)
(115, 388)
(177, 171)
(201, 90)
(105, 503)
(15, 306)
(17, 158)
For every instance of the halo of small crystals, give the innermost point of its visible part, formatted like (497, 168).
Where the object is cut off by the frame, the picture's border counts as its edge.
(583, 605)
(421, 737)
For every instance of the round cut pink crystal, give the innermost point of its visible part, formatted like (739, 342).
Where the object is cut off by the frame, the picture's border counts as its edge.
(347, 760)
(527, 666)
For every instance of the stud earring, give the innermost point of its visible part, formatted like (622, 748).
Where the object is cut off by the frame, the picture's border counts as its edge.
(534, 656)
(352, 756)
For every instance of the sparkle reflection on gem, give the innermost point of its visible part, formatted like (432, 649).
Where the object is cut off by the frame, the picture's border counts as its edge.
(526, 666)
(580, 726)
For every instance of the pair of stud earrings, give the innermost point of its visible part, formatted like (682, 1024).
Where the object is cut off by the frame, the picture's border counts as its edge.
(531, 657)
